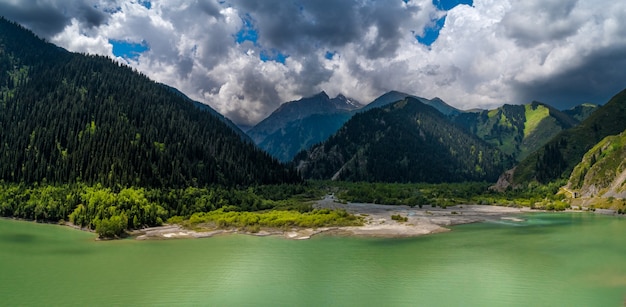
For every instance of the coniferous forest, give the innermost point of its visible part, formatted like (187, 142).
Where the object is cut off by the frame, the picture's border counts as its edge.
(67, 117)
(91, 141)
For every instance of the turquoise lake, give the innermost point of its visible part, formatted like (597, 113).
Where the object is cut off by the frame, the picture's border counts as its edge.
(565, 259)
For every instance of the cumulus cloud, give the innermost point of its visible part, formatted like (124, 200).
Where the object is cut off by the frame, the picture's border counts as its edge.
(493, 52)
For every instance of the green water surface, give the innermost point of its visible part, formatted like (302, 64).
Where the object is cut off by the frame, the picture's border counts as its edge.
(575, 259)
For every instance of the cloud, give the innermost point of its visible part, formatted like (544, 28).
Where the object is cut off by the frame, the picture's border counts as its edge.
(49, 17)
(488, 53)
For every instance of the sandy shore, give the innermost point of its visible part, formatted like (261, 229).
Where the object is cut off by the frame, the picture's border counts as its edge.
(420, 221)
(378, 222)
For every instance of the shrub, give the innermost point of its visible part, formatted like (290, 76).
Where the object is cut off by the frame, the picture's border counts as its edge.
(399, 218)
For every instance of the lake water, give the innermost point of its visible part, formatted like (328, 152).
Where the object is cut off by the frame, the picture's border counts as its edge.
(573, 259)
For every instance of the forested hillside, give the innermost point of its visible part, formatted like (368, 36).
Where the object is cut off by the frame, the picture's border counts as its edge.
(517, 130)
(68, 117)
(406, 141)
(602, 171)
(557, 158)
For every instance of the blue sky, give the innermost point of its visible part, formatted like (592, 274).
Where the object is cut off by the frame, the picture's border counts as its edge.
(246, 57)
(128, 50)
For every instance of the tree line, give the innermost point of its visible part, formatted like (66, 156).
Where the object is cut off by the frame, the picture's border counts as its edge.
(112, 211)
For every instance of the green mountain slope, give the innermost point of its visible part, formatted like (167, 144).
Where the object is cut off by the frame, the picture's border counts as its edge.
(517, 130)
(68, 117)
(207, 108)
(560, 155)
(406, 141)
(602, 171)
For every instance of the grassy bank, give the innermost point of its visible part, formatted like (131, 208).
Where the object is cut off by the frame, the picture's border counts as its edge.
(281, 219)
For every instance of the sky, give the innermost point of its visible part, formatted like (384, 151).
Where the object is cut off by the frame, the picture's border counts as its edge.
(246, 57)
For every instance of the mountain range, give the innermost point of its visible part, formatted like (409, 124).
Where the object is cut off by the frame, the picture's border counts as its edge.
(67, 117)
(405, 141)
(297, 125)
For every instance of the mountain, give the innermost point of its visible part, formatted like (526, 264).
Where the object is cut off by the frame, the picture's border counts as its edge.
(67, 117)
(394, 96)
(303, 133)
(517, 130)
(602, 171)
(557, 158)
(296, 125)
(406, 141)
(581, 111)
(207, 108)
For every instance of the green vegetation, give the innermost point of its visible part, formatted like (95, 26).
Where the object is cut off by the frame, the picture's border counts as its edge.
(110, 212)
(557, 159)
(445, 194)
(517, 130)
(75, 118)
(253, 221)
(406, 141)
(596, 174)
(399, 218)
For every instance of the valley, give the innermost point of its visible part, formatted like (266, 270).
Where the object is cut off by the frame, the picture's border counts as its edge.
(112, 161)
(312, 153)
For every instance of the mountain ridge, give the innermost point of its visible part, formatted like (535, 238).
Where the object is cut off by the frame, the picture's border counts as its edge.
(68, 117)
(406, 141)
(557, 158)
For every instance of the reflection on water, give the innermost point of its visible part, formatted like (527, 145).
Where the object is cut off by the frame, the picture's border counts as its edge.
(545, 260)
(23, 238)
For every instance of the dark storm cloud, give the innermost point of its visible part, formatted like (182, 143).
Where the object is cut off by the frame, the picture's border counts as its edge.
(596, 80)
(562, 52)
(210, 8)
(48, 18)
(299, 27)
(311, 75)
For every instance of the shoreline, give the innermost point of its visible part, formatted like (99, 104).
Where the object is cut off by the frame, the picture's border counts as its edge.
(378, 222)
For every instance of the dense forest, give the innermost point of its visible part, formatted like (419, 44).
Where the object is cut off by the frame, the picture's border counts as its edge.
(69, 118)
(407, 141)
(557, 158)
